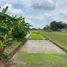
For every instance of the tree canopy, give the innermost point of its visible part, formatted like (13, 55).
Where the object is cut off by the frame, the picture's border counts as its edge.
(56, 26)
(11, 27)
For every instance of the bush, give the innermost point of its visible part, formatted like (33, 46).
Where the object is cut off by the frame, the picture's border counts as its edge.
(11, 27)
(18, 34)
(2, 44)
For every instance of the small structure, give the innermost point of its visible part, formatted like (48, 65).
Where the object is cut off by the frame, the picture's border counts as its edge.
(64, 30)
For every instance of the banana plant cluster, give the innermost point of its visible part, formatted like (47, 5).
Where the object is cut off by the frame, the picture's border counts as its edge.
(11, 27)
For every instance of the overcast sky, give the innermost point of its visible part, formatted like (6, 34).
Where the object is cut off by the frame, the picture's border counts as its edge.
(37, 12)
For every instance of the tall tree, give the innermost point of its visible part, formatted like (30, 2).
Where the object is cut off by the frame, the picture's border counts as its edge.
(55, 26)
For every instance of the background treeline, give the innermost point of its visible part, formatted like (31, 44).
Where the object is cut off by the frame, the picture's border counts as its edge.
(55, 26)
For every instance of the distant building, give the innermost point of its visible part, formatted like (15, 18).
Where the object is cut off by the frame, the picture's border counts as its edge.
(64, 30)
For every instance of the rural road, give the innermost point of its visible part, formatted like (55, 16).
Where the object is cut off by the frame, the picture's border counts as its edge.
(41, 46)
(35, 46)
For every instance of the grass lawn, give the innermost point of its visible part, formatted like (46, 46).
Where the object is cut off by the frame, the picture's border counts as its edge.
(35, 35)
(60, 38)
(43, 60)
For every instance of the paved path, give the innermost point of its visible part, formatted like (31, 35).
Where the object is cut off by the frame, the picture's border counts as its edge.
(41, 46)
(34, 46)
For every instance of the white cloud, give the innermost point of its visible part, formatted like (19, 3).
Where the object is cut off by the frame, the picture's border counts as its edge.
(57, 10)
(13, 11)
(43, 5)
(24, 2)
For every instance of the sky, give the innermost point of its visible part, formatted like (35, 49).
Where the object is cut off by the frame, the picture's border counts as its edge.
(37, 12)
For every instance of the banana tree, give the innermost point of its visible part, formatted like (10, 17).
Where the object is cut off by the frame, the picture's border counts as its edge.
(5, 28)
(13, 27)
(20, 28)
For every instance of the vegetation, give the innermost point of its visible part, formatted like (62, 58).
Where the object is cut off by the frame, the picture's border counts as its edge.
(60, 38)
(14, 29)
(47, 60)
(43, 60)
(35, 35)
(11, 46)
(11, 28)
(20, 28)
(56, 26)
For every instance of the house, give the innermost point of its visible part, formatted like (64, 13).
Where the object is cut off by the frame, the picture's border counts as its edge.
(64, 30)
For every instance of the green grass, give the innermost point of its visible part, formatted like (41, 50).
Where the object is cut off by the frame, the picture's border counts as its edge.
(60, 38)
(13, 44)
(61, 33)
(35, 35)
(43, 60)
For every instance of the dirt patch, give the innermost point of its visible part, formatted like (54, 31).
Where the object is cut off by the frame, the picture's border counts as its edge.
(1, 64)
(41, 46)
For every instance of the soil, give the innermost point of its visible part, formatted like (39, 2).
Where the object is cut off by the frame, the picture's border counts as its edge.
(41, 46)
(1, 64)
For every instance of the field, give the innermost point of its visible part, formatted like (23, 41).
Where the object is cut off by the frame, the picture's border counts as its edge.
(46, 60)
(43, 59)
(37, 36)
(40, 60)
(60, 38)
